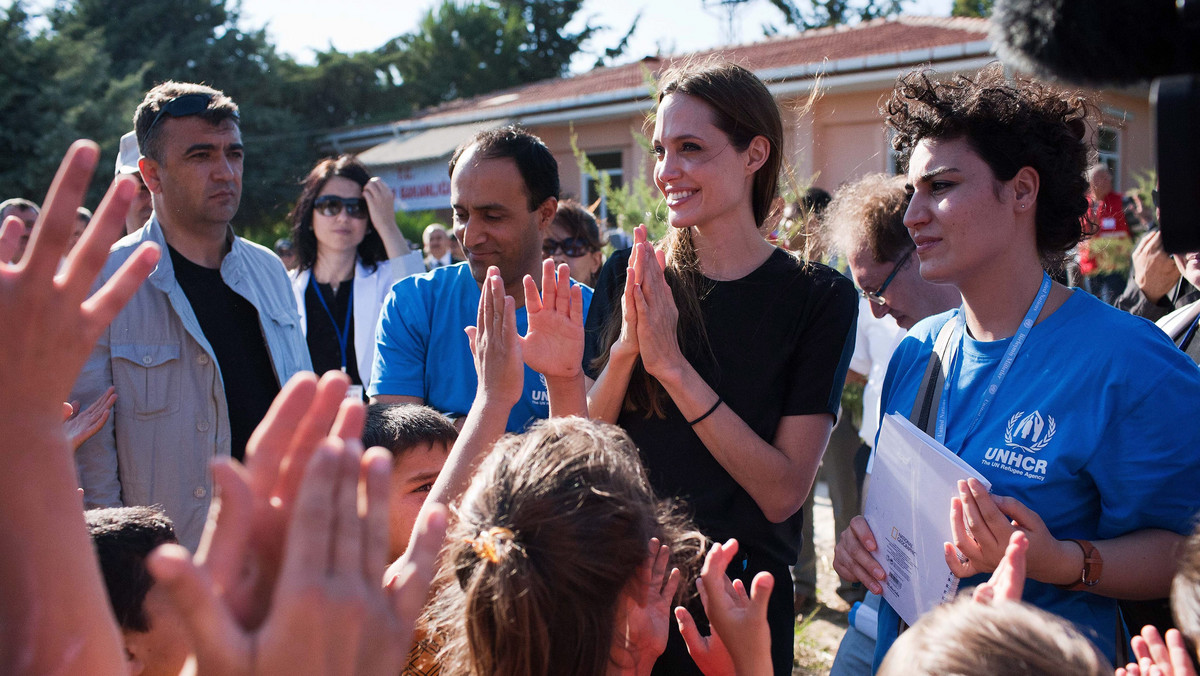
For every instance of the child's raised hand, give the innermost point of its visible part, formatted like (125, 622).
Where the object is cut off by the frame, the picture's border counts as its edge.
(644, 612)
(738, 618)
(496, 345)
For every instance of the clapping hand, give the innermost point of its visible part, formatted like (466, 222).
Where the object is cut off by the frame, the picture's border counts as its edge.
(741, 639)
(244, 541)
(496, 346)
(657, 317)
(553, 346)
(1156, 657)
(644, 612)
(328, 601)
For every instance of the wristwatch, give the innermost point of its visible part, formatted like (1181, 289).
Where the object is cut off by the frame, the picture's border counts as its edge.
(1093, 565)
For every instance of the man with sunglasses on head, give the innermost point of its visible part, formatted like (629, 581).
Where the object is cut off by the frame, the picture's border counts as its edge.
(202, 348)
(504, 193)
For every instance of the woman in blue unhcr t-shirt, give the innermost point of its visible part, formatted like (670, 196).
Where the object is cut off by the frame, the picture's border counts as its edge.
(1080, 415)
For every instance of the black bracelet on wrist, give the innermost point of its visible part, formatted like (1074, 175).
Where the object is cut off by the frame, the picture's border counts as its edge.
(709, 412)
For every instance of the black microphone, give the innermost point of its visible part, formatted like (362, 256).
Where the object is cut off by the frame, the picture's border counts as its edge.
(1104, 43)
(1095, 43)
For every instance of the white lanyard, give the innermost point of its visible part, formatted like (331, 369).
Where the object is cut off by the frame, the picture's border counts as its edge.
(1010, 356)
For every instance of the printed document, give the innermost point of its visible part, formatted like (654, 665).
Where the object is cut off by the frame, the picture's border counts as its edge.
(913, 479)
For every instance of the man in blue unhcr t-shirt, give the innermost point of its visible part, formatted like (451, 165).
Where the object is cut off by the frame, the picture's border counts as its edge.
(504, 192)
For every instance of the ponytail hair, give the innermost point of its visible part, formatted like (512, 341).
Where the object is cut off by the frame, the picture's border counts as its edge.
(554, 526)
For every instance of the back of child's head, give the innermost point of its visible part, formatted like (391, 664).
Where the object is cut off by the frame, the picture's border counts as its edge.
(1185, 589)
(965, 638)
(399, 427)
(123, 538)
(554, 525)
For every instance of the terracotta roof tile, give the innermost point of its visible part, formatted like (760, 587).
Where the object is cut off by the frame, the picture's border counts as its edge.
(880, 36)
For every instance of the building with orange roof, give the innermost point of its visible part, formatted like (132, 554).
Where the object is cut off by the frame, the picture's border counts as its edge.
(839, 137)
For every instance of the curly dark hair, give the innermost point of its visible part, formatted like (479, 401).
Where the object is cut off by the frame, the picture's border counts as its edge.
(1011, 124)
(370, 249)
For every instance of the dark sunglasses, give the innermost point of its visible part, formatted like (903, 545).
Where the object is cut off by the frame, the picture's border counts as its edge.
(573, 247)
(184, 105)
(331, 205)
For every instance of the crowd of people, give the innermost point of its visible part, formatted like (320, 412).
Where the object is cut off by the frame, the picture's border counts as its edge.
(500, 452)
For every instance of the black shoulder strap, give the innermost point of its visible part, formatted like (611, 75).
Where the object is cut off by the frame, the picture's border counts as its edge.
(926, 404)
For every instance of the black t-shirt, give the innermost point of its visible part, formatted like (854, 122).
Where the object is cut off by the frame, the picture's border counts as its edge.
(325, 322)
(781, 339)
(231, 325)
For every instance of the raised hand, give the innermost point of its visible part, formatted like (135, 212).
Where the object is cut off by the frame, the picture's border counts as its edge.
(1008, 580)
(1156, 657)
(738, 619)
(53, 603)
(58, 321)
(328, 599)
(83, 424)
(496, 346)
(644, 612)
(10, 238)
(243, 543)
(553, 345)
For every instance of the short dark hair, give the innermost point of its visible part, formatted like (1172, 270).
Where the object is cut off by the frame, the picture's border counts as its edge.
(539, 169)
(124, 537)
(370, 250)
(1010, 124)
(870, 212)
(579, 222)
(220, 108)
(400, 427)
(18, 203)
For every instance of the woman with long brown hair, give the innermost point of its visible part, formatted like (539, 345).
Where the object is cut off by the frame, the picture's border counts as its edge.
(722, 355)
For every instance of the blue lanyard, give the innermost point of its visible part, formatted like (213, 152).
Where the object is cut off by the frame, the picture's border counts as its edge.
(343, 332)
(1010, 356)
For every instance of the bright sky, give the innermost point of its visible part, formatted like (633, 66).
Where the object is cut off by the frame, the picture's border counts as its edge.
(298, 27)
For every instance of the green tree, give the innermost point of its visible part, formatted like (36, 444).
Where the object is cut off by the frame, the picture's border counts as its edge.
(824, 13)
(460, 49)
(979, 8)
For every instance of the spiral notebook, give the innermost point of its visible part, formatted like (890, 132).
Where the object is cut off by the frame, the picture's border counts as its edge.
(913, 478)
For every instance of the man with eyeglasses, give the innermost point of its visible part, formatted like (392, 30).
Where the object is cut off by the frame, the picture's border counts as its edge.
(203, 347)
(504, 193)
(865, 224)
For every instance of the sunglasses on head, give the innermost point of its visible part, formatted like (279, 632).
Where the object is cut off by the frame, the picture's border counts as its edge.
(331, 205)
(184, 105)
(573, 247)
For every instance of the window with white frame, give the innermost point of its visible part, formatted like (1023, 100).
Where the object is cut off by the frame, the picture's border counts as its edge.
(608, 163)
(1108, 152)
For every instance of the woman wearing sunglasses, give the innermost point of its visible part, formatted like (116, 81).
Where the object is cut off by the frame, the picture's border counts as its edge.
(350, 253)
(574, 239)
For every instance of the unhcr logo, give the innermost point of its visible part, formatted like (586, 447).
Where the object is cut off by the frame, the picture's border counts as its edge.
(1030, 433)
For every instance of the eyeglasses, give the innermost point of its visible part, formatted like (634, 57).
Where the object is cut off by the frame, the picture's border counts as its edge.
(331, 205)
(184, 105)
(876, 296)
(573, 247)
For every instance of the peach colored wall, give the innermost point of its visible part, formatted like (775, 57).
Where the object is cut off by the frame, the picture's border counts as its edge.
(840, 139)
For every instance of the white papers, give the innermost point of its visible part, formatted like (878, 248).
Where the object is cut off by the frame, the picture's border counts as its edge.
(908, 508)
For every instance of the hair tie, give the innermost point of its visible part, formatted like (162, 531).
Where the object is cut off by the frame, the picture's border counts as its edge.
(485, 544)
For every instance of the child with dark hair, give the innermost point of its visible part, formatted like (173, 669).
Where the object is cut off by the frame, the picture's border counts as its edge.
(419, 439)
(558, 559)
(155, 640)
